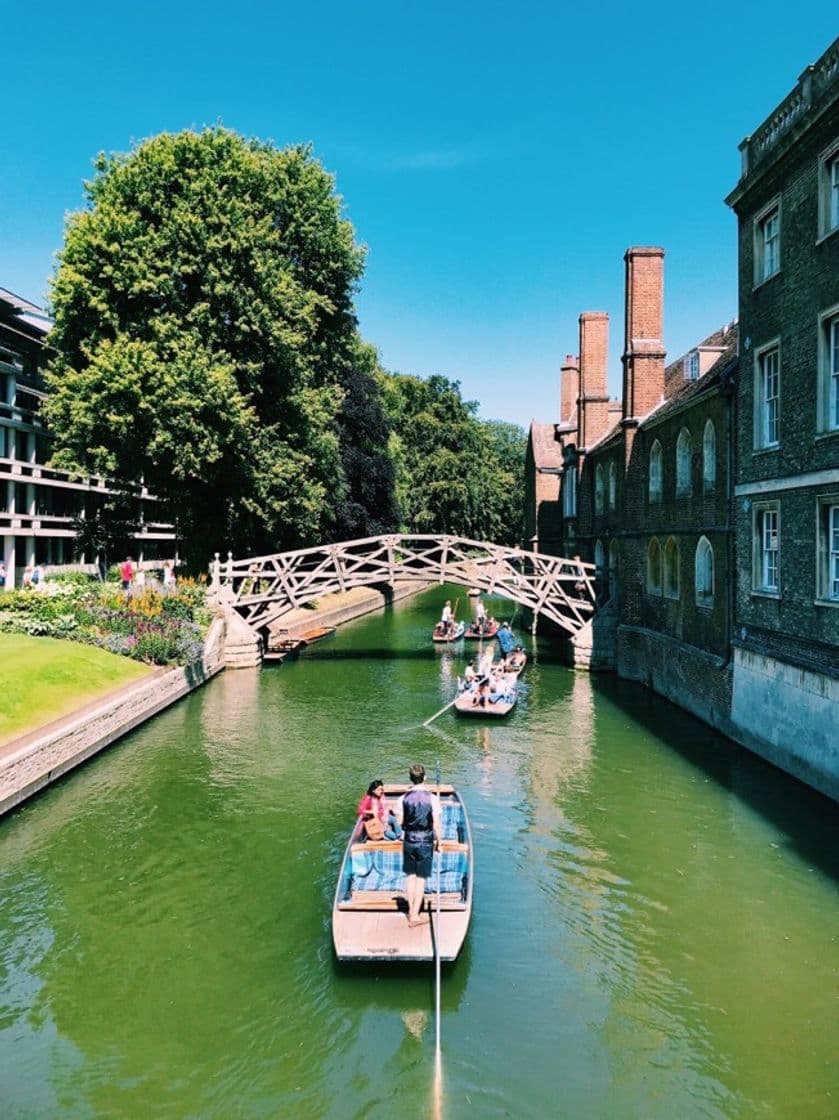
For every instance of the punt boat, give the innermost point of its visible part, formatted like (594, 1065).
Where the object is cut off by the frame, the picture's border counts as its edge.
(475, 631)
(440, 634)
(474, 699)
(370, 911)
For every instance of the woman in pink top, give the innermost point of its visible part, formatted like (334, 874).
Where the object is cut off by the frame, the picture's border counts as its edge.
(373, 805)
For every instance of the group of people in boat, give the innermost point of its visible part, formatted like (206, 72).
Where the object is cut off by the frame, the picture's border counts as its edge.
(415, 820)
(491, 682)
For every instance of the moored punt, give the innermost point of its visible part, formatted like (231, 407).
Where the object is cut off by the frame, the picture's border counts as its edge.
(441, 634)
(370, 911)
(475, 631)
(315, 634)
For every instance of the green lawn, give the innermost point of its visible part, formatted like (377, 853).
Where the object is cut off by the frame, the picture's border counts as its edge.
(44, 678)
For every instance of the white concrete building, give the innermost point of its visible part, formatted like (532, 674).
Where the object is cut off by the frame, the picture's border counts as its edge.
(39, 505)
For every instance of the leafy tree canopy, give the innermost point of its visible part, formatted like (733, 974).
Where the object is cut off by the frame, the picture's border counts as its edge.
(454, 473)
(203, 328)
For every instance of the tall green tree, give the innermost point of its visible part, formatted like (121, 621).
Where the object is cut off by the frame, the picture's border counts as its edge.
(366, 504)
(203, 318)
(455, 473)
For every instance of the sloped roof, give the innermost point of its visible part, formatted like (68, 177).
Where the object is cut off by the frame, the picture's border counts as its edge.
(724, 365)
(546, 451)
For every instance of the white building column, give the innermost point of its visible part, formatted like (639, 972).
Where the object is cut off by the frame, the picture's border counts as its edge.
(9, 560)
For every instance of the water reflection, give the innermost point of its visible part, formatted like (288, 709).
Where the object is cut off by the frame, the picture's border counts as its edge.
(652, 912)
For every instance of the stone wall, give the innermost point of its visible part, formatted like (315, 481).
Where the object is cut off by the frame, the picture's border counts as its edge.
(45, 757)
(772, 702)
(695, 679)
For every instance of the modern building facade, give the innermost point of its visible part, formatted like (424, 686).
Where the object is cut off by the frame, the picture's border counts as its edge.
(786, 508)
(39, 506)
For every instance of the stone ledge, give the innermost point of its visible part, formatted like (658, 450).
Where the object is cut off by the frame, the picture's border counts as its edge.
(42, 758)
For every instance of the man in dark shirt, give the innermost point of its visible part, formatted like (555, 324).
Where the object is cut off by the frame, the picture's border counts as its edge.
(419, 816)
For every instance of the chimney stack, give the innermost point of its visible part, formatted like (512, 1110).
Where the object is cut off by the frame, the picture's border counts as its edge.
(644, 353)
(594, 355)
(569, 389)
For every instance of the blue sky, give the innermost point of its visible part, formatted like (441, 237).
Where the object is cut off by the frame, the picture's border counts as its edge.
(496, 159)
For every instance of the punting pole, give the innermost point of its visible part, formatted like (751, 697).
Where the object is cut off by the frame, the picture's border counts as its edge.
(437, 925)
(428, 721)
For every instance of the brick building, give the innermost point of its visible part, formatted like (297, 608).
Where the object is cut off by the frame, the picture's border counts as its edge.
(786, 508)
(39, 505)
(645, 495)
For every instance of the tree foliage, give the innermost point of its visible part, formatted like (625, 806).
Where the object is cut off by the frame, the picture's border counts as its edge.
(454, 473)
(203, 325)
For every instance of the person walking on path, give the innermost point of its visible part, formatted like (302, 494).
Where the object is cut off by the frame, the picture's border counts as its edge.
(418, 816)
(126, 572)
(169, 578)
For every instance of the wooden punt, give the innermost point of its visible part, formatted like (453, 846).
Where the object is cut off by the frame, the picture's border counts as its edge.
(306, 637)
(370, 911)
(475, 632)
(465, 705)
(467, 702)
(440, 635)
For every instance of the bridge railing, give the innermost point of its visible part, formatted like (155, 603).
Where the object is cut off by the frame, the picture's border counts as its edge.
(265, 587)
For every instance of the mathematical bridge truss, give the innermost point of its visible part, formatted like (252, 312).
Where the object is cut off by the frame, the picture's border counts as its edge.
(264, 588)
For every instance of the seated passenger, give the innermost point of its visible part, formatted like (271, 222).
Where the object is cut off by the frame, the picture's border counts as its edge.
(373, 806)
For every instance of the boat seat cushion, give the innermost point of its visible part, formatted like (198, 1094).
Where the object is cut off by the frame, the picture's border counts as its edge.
(378, 869)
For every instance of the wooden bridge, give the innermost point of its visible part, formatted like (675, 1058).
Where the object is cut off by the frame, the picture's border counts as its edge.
(264, 588)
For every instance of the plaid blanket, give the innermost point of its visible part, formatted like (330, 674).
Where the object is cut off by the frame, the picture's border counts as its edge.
(377, 870)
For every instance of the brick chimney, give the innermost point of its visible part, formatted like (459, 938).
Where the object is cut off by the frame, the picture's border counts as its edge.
(569, 389)
(644, 353)
(594, 399)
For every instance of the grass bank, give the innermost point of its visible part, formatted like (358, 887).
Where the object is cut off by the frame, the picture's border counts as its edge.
(44, 678)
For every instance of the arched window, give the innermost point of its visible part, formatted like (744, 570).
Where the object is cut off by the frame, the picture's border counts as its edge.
(569, 491)
(655, 472)
(599, 489)
(671, 569)
(709, 458)
(600, 575)
(654, 567)
(613, 568)
(684, 455)
(704, 573)
(613, 486)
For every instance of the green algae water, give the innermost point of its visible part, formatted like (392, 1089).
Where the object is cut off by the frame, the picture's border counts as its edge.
(654, 932)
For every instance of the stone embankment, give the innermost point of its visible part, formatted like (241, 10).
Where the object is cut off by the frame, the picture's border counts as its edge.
(33, 761)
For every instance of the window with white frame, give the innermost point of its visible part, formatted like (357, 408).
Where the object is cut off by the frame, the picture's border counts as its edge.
(709, 457)
(704, 573)
(613, 568)
(613, 486)
(828, 544)
(692, 366)
(569, 492)
(767, 243)
(768, 397)
(655, 472)
(767, 548)
(671, 569)
(599, 489)
(829, 191)
(684, 457)
(829, 370)
(599, 563)
(654, 567)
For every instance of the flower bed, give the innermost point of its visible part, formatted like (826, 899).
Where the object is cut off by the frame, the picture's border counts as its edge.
(148, 626)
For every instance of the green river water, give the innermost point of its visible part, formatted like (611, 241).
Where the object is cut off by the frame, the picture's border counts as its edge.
(654, 932)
